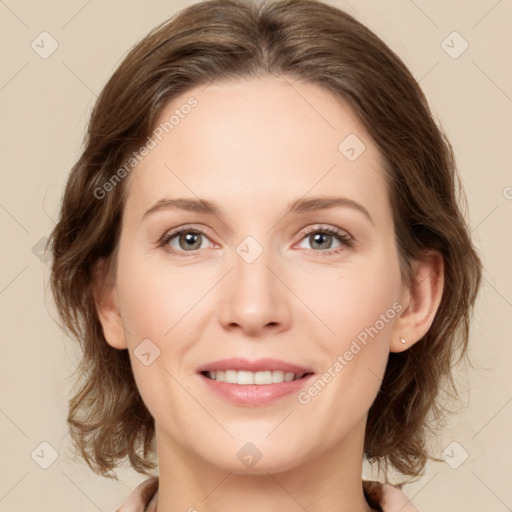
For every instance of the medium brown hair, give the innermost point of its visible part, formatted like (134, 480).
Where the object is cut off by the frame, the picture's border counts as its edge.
(307, 41)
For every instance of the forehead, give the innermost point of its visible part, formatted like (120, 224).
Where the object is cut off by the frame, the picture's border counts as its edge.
(247, 141)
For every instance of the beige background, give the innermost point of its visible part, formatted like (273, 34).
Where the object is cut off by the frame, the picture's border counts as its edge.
(45, 103)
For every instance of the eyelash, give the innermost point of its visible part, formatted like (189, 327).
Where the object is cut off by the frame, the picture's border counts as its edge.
(345, 240)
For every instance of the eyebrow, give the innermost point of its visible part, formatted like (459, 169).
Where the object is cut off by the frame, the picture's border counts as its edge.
(301, 205)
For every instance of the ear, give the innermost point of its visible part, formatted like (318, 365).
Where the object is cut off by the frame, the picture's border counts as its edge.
(105, 298)
(420, 301)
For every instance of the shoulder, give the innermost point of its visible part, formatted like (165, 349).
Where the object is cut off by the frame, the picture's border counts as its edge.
(388, 497)
(141, 497)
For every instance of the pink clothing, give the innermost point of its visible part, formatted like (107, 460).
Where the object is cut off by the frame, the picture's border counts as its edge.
(390, 499)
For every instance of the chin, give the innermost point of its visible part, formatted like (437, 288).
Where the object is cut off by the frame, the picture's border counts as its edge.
(254, 459)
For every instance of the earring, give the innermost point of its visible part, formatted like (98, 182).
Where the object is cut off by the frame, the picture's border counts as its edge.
(402, 340)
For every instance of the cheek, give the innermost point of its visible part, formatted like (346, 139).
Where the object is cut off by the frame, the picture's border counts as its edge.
(354, 299)
(154, 304)
(151, 309)
(367, 311)
(361, 311)
(152, 299)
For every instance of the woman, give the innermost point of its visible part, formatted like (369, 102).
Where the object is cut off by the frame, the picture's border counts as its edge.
(256, 371)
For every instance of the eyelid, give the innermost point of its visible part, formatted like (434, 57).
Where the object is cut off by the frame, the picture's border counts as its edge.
(326, 228)
(183, 227)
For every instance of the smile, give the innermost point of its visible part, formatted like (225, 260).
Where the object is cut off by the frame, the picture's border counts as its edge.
(244, 377)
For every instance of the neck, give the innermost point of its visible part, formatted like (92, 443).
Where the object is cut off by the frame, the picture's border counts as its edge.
(330, 482)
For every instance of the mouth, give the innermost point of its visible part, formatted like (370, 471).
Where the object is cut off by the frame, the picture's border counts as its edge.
(253, 383)
(260, 378)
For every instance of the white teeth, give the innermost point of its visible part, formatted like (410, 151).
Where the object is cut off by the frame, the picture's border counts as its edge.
(244, 377)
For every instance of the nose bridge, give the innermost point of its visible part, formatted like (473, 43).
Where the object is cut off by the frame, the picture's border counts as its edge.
(255, 296)
(251, 266)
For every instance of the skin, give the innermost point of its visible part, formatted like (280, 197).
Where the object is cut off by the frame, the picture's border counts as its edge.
(252, 147)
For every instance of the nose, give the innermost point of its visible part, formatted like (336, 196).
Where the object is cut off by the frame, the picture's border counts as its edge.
(254, 297)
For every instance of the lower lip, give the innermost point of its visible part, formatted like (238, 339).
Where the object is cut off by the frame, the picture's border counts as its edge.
(255, 394)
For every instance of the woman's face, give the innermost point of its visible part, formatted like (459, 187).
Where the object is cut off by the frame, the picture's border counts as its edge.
(269, 275)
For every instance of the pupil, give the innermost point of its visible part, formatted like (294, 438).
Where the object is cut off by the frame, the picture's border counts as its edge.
(190, 239)
(320, 236)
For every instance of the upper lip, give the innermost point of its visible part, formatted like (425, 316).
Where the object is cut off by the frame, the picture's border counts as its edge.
(254, 365)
